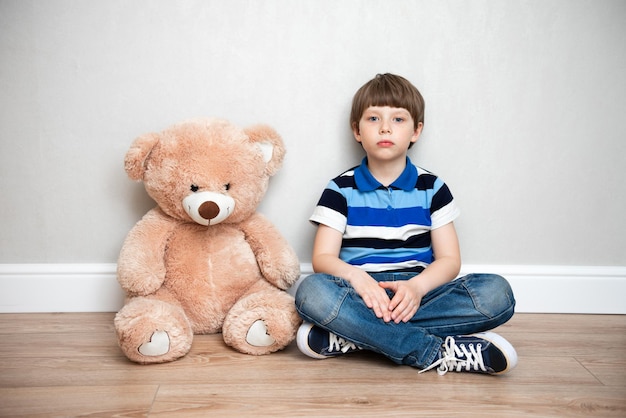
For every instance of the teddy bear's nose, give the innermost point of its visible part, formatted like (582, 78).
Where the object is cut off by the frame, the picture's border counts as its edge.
(209, 210)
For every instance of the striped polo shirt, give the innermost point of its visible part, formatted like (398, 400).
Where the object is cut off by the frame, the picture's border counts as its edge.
(386, 229)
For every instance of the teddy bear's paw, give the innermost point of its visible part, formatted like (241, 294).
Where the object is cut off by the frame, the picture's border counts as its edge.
(258, 336)
(158, 345)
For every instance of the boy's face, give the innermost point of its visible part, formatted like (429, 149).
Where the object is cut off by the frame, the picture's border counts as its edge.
(386, 132)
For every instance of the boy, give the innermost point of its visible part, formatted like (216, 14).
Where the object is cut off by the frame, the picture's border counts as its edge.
(386, 255)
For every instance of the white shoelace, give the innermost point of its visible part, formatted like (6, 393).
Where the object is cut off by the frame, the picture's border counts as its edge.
(339, 344)
(457, 357)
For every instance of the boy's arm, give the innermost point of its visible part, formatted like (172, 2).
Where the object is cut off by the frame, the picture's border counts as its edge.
(408, 295)
(447, 262)
(326, 260)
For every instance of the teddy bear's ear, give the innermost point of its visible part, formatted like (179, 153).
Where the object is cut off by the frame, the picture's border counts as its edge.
(137, 155)
(270, 144)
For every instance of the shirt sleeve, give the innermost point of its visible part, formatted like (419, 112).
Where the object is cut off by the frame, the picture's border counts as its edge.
(331, 210)
(443, 208)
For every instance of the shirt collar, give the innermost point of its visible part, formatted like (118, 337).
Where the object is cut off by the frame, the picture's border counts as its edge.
(366, 182)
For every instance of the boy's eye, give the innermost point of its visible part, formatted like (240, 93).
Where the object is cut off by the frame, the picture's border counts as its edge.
(372, 118)
(398, 119)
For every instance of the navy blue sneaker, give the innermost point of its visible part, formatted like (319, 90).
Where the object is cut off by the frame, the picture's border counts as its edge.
(317, 343)
(486, 352)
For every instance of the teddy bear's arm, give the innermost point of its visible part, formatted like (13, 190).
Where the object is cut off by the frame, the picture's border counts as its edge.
(277, 260)
(141, 266)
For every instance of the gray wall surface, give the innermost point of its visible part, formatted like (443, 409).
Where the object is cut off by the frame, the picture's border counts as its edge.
(525, 109)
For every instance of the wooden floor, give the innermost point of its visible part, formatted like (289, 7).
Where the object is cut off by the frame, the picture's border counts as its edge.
(69, 365)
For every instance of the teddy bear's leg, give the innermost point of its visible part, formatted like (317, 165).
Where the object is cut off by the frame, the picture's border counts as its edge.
(261, 322)
(153, 331)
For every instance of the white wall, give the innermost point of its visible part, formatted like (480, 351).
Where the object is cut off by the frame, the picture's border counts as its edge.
(524, 120)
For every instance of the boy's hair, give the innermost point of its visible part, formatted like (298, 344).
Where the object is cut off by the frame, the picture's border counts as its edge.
(388, 90)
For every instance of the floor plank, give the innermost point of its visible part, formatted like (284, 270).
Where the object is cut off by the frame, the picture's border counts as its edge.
(71, 401)
(480, 399)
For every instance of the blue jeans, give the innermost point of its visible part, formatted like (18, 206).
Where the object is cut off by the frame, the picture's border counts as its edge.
(474, 303)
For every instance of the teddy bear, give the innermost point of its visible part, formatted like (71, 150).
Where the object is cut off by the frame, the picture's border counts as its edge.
(203, 260)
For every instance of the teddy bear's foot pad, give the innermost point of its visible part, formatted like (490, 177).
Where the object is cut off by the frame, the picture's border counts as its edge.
(258, 336)
(158, 345)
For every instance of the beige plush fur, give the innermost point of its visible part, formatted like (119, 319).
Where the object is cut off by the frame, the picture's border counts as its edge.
(203, 260)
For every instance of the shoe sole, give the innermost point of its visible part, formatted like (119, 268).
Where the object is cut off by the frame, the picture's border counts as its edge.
(504, 346)
(302, 340)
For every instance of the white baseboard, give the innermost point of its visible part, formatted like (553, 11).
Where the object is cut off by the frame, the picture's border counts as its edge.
(94, 288)
(59, 288)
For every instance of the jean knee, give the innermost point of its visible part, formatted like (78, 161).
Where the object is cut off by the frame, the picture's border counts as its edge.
(319, 297)
(307, 288)
(492, 294)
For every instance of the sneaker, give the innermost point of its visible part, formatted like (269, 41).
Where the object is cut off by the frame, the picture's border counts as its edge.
(317, 343)
(486, 352)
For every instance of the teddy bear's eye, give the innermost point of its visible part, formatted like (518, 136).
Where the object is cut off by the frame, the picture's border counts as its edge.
(227, 186)
(194, 188)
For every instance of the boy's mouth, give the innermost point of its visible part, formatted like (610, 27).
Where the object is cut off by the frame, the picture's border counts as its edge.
(384, 143)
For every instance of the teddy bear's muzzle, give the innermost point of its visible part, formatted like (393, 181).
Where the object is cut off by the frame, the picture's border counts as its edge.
(208, 208)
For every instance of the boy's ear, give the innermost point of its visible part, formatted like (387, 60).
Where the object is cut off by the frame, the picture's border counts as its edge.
(356, 132)
(417, 132)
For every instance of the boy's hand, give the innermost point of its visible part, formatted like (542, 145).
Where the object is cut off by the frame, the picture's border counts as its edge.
(405, 302)
(373, 295)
